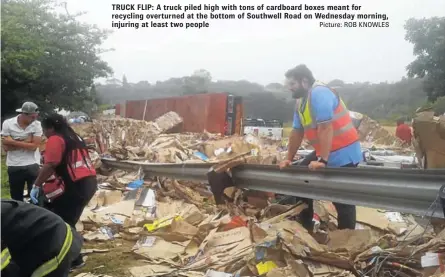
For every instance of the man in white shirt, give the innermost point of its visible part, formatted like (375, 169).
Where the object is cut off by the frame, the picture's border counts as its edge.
(21, 137)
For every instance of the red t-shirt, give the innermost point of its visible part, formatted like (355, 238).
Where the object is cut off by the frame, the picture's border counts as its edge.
(403, 132)
(55, 146)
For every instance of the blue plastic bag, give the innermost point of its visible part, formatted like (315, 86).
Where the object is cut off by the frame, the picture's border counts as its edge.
(135, 184)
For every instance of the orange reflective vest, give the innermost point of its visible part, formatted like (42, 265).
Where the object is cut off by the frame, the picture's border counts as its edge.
(344, 131)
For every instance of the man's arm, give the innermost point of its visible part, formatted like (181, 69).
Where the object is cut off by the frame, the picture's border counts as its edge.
(5, 129)
(325, 133)
(5, 134)
(295, 138)
(31, 144)
(322, 102)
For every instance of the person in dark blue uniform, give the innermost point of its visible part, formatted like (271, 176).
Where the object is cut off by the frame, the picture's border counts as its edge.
(35, 242)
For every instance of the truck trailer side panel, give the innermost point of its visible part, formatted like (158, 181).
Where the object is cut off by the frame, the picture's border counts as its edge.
(200, 111)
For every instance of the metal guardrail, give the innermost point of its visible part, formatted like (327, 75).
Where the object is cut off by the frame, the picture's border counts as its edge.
(404, 190)
(394, 165)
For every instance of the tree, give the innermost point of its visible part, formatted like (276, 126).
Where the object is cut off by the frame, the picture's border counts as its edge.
(47, 57)
(113, 81)
(439, 106)
(124, 81)
(275, 87)
(428, 37)
(198, 82)
(336, 83)
(204, 74)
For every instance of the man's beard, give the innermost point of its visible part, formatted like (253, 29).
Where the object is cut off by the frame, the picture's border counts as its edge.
(299, 93)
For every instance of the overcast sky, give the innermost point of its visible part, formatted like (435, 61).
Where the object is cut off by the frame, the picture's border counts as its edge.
(262, 50)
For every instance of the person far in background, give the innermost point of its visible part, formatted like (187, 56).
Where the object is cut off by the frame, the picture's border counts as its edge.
(322, 117)
(404, 132)
(66, 156)
(21, 137)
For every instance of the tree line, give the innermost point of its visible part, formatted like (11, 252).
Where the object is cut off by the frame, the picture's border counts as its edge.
(53, 59)
(387, 101)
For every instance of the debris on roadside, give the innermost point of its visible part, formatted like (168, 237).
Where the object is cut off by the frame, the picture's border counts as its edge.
(183, 228)
(429, 139)
(191, 237)
(161, 141)
(370, 131)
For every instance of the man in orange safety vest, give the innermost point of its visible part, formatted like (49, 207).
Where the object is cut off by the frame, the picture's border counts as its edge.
(322, 117)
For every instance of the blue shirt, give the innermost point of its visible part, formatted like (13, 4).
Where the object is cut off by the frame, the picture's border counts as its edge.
(323, 104)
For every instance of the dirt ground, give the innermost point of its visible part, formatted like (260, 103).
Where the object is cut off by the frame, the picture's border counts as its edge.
(115, 262)
(391, 129)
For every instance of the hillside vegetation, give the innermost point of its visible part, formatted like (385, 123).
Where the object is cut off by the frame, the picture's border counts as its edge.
(384, 101)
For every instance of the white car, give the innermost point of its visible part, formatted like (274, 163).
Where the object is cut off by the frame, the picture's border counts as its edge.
(272, 129)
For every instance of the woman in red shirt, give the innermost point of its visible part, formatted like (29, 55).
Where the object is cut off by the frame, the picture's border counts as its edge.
(66, 156)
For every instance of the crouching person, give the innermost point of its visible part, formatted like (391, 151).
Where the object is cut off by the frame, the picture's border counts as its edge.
(35, 242)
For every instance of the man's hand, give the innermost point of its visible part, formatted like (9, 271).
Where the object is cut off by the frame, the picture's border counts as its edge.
(314, 165)
(6, 147)
(7, 139)
(285, 163)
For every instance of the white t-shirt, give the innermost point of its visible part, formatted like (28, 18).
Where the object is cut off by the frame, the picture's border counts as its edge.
(21, 157)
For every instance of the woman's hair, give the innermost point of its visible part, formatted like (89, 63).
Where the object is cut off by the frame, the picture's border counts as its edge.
(72, 140)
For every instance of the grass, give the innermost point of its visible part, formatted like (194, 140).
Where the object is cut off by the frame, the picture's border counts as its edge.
(287, 128)
(4, 179)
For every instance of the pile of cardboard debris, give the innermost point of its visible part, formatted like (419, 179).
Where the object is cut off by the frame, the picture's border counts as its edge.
(373, 135)
(176, 229)
(371, 131)
(129, 139)
(159, 141)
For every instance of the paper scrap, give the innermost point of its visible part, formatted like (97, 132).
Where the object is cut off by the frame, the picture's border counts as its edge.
(430, 259)
(145, 242)
(107, 231)
(161, 223)
(265, 267)
(116, 220)
(394, 217)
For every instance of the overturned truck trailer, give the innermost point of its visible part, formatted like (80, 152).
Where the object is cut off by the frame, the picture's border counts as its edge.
(212, 112)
